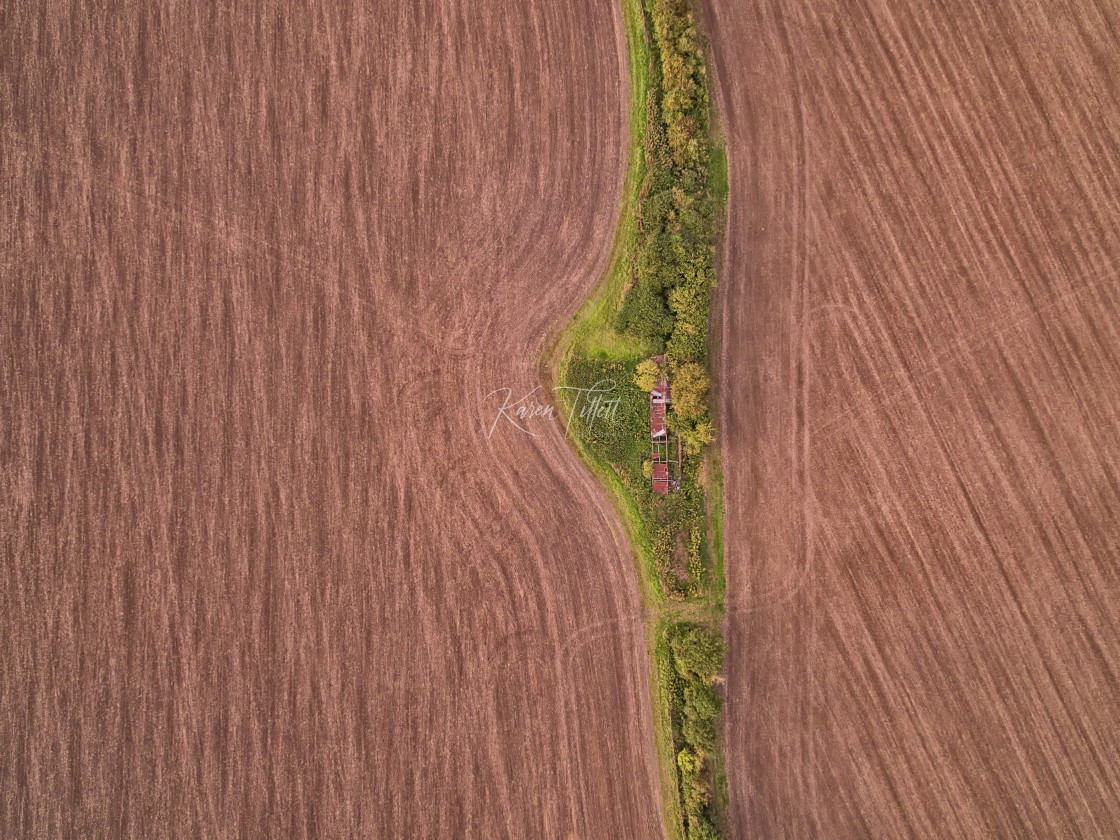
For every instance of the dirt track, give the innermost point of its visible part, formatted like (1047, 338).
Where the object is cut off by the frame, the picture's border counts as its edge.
(921, 326)
(264, 573)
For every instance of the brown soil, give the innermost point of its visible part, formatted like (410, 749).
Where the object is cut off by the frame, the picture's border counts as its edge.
(264, 572)
(921, 417)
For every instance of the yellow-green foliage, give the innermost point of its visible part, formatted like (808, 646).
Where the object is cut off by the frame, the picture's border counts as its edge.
(690, 390)
(672, 274)
(697, 658)
(698, 652)
(655, 299)
(685, 99)
(696, 437)
(690, 418)
(648, 374)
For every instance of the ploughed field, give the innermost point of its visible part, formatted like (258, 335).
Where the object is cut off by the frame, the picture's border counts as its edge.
(265, 575)
(921, 417)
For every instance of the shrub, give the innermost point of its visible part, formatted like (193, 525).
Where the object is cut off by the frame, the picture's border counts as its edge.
(694, 793)
(689, 763)
(701, 707)
(648, 374)
(673, 250)
(690, 390)
(644, 314)
(700, 733)
(701, 828)
(698, 652)
(695, 438)
(701, 701)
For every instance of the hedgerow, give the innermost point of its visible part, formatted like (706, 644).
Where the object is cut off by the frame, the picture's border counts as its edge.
(697, 660)
(664, 272)
(672, 271)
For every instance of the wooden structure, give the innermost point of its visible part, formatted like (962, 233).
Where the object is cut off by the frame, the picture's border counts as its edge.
(659, 399)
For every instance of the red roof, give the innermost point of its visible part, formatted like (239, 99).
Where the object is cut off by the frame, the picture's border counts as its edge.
(657, 420)
(658, 397)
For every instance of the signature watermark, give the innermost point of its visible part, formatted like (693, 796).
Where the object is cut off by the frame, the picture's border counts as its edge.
(599, 402)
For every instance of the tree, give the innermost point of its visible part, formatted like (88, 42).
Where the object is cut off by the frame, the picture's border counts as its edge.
(700, 733)
(690, 390)
(689, 763)
(701, 701)
(701, 706)
(699, 653)
(694, 790)
(695, 438)
(648, 374)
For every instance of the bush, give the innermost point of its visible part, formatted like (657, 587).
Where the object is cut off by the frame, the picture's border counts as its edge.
(648, 374)
(700, 733)
(694, 792)
(697, 657)
(701, 701)
(698, 652)
(644, 313)
(690, 390)
(684, 102)
(673, 269)
(701, 828)
(701, 707)
(695, 438)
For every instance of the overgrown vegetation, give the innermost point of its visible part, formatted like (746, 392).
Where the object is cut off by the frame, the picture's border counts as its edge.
(676, 523)
(697, 660)
(655, 299)
(672, 271)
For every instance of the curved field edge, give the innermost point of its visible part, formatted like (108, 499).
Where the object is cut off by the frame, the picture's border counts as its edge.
(591, 334)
